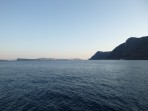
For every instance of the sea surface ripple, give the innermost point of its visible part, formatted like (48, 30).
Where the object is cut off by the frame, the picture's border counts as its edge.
(74, 86)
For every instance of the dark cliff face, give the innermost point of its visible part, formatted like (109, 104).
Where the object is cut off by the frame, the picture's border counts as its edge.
(132, 49)
(100, 55)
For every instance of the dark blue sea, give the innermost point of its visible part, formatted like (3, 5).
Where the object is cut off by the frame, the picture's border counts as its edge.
(74, 86)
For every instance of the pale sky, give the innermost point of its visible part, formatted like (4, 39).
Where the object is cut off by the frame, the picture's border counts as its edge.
(68, 28)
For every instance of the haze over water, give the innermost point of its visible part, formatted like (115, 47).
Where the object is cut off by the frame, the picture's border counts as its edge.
(74, 86)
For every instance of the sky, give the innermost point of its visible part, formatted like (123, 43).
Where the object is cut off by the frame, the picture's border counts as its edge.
(68, 28)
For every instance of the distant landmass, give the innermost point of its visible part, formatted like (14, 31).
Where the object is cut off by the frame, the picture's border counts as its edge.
(45, 59)
(3, 60)
(133, 49)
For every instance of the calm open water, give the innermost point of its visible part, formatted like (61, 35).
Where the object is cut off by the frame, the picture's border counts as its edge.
(74, 86)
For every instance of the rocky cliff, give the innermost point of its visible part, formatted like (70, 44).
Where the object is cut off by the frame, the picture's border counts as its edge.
(100, 55)
(132, 49)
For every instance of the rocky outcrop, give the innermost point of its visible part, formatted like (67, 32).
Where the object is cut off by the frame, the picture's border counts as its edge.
(100, 55)
(132, 49)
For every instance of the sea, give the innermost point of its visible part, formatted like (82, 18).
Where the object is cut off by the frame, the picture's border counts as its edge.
(80, 85)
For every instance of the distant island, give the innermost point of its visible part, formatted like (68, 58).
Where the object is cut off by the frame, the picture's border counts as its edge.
(41, 59)
(3, 60)
(45, 59)
(133, 49)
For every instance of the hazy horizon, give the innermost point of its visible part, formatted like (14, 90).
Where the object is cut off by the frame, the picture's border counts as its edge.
(68, 28)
